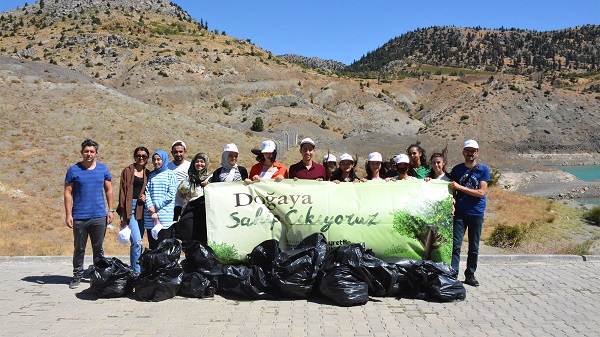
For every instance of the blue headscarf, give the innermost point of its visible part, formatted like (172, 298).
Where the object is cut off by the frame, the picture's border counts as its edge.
(165, 161)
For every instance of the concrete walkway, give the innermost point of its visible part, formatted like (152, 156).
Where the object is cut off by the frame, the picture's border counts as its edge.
(518, 296)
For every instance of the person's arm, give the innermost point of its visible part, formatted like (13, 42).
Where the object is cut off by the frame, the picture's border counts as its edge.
(479, 193)
(68, 196)
(108, 190)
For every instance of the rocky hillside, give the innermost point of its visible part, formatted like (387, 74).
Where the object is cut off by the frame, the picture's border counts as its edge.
(136, 57)
(515, 51)
(314, 62)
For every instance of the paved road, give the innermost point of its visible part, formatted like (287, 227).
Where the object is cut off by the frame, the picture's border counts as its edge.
(519, 296)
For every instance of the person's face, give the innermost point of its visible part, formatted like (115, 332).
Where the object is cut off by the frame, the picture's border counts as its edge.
(470, 154)
(141, 158)
(375, 166)
(307, 151)
(415, 156)
(267, 156)
(437, 164)
(89, 154)
(402, 168)
(347, 165)
(330, 166)
(178, 152)
(232, 158)
(199, 164)
(157, 161)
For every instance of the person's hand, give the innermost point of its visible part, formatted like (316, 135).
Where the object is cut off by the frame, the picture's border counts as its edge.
(319, 179)
(154, 216)
(427, 178)
(123, 223)
(204, 183)
(295, 178)
(278, 178)
(69, 221)
(247, 181)
(142, 198)
(336, 181)
(110, 217)
(363, 180)
(453, 185)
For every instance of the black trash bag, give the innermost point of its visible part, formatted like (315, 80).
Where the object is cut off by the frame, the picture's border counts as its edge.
(248, 282)
(436, 281)
(264, 255)
(159, 285)
(167, 252)
(383, 276)
(342, 285)
(295, 271)
(202, 258)
(196, 285)
(405, 286)
(111, 278)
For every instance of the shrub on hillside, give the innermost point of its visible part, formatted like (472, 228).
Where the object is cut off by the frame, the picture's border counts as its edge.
(593, 216)
(257, 125)
(505, 236)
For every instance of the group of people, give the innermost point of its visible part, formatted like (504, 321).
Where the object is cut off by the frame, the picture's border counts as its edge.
(169, 200)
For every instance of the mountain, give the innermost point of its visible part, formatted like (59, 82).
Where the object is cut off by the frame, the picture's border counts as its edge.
(314, 62)
(515, 51)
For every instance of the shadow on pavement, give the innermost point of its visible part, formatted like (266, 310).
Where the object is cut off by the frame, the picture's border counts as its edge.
(47, 279)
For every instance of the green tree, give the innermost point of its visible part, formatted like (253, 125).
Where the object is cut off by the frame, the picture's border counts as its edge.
(257, 125)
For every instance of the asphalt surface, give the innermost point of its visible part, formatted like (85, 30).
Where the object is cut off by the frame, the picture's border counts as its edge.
(519, 296)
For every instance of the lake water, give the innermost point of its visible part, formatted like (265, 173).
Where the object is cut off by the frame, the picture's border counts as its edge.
(585, 173)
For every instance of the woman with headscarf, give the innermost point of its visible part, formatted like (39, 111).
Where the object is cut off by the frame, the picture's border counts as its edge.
(131, 202)
(192, 224)
(160, 200)
(230, 170)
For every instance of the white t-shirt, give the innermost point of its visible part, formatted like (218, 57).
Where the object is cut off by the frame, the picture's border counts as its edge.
(181, 172)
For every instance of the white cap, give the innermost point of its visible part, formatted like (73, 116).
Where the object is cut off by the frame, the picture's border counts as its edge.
(268, 146)
(307, 141)
(179, 142)
(375, 156)
(124, 235)
(346, 156)
(231, 148)
(402, 158)
(471, 143)
(329, 157)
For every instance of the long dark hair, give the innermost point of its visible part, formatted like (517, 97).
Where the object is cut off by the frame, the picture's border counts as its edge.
(382, 171)
(422, 158)
(261, 156)
(141, 148)
(444, 156)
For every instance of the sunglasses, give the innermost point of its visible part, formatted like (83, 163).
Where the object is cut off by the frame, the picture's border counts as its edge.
(140, 156)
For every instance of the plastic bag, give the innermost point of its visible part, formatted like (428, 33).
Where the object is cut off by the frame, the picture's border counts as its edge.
(196, 285)
(295, 271)
(343, 286)
(438, 281)
(111, 278)
(167, 252)
(264, 255)
(202, 268)
(159, 285)
(248, 282)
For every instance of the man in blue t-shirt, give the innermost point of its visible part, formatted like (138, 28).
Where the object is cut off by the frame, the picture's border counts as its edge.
(469, 183)
(86, 183)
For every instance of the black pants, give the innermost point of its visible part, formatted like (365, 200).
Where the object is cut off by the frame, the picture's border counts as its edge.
(162, 235)
(95, 229)
(192, 224)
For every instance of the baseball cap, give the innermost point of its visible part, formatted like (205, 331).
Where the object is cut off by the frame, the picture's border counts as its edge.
(268, 146)
(329, 157)
(375, 156)
(307, 141)
(471, 143)
(231, 148)
(179, 142)
(346, 156)
(402, 158)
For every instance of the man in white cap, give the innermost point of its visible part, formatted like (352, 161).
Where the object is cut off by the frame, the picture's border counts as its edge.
(180, 166)
(469, 183)
(330, 164)
(307, 168)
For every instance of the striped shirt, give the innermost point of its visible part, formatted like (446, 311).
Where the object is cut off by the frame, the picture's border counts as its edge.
(160, 193)
(182, 173)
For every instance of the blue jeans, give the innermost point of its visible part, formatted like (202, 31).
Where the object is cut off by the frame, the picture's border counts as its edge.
(472, 225)
(136, 239)
(95, 229)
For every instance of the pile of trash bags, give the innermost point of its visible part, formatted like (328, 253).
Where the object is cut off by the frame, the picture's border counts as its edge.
(347, 275)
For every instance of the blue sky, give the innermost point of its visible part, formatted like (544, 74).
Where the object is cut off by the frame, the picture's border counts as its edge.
(346, 30)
